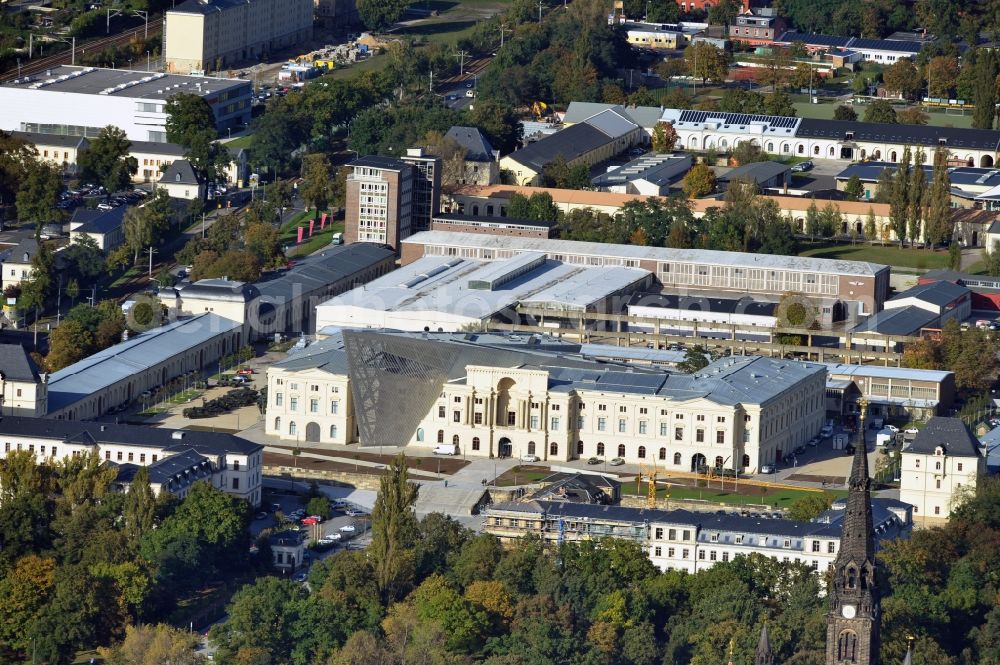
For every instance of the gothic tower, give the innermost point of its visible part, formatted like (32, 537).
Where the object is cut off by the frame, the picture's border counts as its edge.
(852, 632)
(764, 655)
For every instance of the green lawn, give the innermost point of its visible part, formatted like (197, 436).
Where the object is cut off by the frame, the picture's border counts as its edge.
(244, 142)
(319, 240)
(921, 259)
(781, 498)
(375, 63)
(824, 111)
(289, 230)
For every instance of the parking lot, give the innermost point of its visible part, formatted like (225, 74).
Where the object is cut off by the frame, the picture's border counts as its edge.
(344, 531)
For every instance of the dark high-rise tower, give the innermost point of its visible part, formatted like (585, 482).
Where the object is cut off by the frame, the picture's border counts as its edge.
(852, 633)
(764, 655)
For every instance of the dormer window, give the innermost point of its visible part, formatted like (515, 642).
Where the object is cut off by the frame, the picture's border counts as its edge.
(939, 451)
(177, 177)
(25, 258)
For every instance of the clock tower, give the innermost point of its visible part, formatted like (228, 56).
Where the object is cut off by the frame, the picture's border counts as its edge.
(852, 632)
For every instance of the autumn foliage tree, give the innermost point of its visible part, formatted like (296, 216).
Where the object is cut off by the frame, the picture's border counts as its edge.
(699, 181)
(664, 137)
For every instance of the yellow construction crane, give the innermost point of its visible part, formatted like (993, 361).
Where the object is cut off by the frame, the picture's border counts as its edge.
(650, 485)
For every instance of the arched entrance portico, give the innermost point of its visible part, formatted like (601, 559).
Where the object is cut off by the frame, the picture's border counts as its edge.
(697, 462)
(504, 448)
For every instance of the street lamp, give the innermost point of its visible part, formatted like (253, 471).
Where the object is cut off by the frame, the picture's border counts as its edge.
(71, 42)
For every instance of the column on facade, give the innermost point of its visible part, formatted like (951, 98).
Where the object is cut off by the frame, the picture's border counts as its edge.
(470, 409)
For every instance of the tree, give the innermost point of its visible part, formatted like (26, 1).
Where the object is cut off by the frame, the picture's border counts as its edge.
(809, 507)
(795, 310)
(779, 103)
(984, 93)
(394, 530)
(319, 505)
(916, 198)
(145, 225)
(85, 260)
(76, 617)
(261, 615)
(24, 591)
(699, 181)
(706, 62)
(154, 644)
(993, 259)
(880, 111)
(664, 137)
(899, 197)
(748, 152)
(558, 173)
(695, 359)
(902, 77)
(140, 508)
(107, 160)
(264, 242)
(38, 194)
(316, 177)
(812, 220)
(843, 112)
(737, 100)
(380, 14)
(723, 12)
(871, 232)
(191, 124)
(942, 73)
(854, 188)
(188, 115)
(68, 343)
(500, 124)
(912, 116)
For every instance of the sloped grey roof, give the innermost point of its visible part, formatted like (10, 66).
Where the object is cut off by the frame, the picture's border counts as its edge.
(950, 433)
(205, 443)
(321, 269)
(181, 172)
(937, 293)
(612, 123)
(23, 252)
(756, 171)
(219, 289)
(98, 221)
(477, 146)
(897, 321)
(16, 364)
(570, 143)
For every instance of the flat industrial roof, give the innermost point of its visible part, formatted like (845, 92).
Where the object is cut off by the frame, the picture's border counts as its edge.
(641, 252)
(116, 363)
(122, 83)
(454, 285)
(875, 371)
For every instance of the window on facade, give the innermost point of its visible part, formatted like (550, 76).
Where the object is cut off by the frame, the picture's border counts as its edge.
(441, 411)
(277, 424)
(457, 416)
(917, 463)
(236, 483)
(333, 433)
(279, 399)
(477, 418)
(659, 533)
(830, 546)
(553, 448)
(314, 406)
(554, 424)
(602, 424)
(334, 407)
(657, 551)
(958, 466)
(663, 429)
(119, 454)
(621, 425)
(293, 428)
(714, 537)
(293, 403)
(642, 452)
(440, 437)
(815, 546)
(699, 435)
(533, 422)
(454, 440)
(579, 447)
(458, 399)
(677, 458)
(937, 484)
(678, 434)
(663, 454)
(621, 450)
(600, 449)
(475, 443)
(712, 556)
(720, 436)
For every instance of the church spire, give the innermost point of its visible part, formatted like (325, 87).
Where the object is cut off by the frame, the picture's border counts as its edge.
(764, 655)
(852, 636)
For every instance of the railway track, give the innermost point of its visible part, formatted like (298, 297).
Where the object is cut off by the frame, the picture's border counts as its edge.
(37, 65)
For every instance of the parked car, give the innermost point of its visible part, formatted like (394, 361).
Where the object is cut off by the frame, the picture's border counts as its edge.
(802, 166)
(353, 512)
(813, 442)
(767, 468)
(618, 461)
(892, 428)
(594, 460)
(348, 528)
(245, 371)
(239, 378)
(309, 521)
(300, 577)
(530, 458)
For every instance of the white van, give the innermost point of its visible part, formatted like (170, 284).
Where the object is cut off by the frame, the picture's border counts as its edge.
(337, 239)
(446, 449)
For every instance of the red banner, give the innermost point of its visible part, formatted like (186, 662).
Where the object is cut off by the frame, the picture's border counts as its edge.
(312, 226)
(301, 229)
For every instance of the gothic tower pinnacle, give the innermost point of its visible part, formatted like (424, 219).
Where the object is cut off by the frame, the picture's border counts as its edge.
(852, 636)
